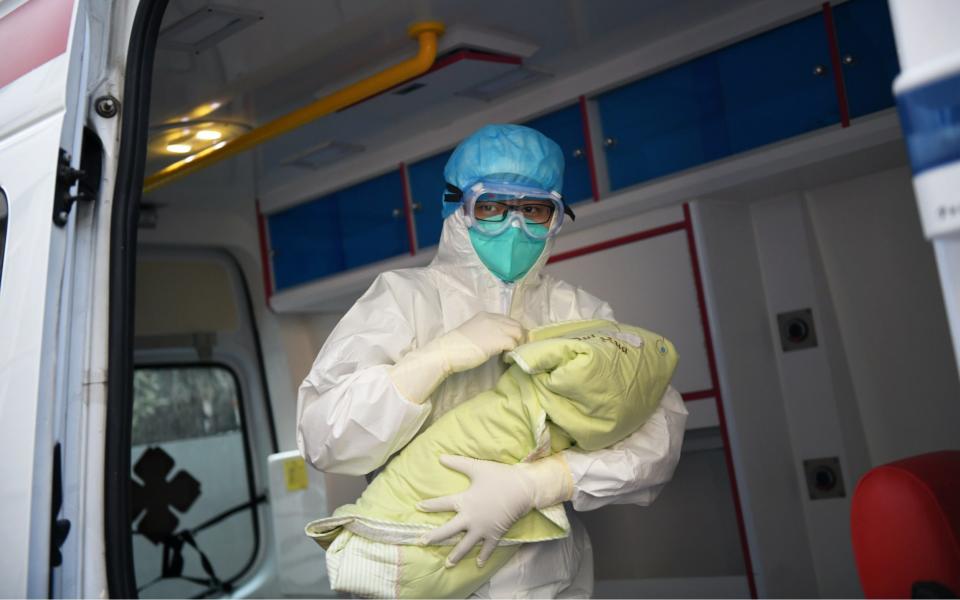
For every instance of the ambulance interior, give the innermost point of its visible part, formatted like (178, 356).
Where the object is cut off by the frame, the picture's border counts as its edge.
(740, 185)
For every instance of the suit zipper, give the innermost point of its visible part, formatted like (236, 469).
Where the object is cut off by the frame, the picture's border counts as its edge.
(506, 298)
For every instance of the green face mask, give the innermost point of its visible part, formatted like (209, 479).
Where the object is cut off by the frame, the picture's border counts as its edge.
(511, 254)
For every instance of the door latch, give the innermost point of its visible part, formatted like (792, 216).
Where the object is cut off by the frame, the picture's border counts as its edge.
(87, 177)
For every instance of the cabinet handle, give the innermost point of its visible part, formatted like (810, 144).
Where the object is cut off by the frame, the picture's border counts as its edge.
(397, 213)
(848, 59)
(610, 142)
(417, 207)
(578, 153)
(819, 70)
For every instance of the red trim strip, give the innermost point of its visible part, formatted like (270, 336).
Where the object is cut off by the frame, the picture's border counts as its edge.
(459, 55)
(588, 148)
(407, 206)
(837, 65)
(33, 35)
(702, 394)
(264, 255)
(714, 379)
(620, 241)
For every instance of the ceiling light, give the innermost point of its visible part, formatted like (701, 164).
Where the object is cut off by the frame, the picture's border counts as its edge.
(207, 27)
(189, 158)
(178, 148)
(209, 134)
(219, 145)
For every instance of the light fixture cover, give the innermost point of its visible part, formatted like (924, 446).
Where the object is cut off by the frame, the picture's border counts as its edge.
(322, 154)
(207, 27)
(501, 84)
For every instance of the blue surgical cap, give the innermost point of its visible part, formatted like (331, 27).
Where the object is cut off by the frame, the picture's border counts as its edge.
(505, 154)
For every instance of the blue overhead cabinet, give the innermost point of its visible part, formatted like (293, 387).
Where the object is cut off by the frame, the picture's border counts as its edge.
(662, 124)
(763, 89)
(566, 128)
(350, 228)
(868, 54)
(373, 223)
(426, 191)
(305, 242)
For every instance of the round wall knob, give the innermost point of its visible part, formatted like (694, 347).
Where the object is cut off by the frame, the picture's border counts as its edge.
(578, 153)
(610, 142)
(848, 59)
(417, 207)
(825, 479)
(819, 70)
(797, 330)
(397, 213)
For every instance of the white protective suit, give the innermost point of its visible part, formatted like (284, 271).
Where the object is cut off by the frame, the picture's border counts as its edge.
(351, 418)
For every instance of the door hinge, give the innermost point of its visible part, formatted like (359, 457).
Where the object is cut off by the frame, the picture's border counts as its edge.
(87, 177)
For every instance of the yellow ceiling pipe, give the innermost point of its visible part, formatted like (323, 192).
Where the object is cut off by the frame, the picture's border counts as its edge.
(426, 34)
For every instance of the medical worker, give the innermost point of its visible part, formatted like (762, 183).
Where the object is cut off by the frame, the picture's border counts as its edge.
(420, 341)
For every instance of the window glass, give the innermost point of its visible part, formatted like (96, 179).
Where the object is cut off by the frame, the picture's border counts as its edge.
(190, 466)
(3, 228)
(176, 404)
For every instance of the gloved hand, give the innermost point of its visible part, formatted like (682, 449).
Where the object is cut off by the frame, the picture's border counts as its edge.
(420, 371)
(498, 496)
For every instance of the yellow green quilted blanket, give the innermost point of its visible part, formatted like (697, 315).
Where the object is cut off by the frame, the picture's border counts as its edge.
(587, 384)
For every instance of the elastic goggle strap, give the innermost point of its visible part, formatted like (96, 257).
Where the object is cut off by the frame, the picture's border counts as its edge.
(453, 194)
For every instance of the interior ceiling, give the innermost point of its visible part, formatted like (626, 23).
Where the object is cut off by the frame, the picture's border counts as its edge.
(302, 49)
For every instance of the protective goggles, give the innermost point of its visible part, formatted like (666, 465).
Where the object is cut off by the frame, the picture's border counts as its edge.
(492, 208)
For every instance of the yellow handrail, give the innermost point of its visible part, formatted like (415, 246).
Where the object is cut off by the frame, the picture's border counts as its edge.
(426, 34)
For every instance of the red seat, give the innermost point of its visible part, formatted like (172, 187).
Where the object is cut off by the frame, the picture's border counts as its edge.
(905, 523)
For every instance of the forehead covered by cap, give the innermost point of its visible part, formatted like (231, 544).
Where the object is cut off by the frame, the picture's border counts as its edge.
(507, 154)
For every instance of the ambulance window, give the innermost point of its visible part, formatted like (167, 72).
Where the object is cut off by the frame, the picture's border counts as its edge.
(3, 228)
(192, 489)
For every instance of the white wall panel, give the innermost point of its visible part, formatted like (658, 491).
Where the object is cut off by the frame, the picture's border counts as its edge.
(884, 286)
(650, 284)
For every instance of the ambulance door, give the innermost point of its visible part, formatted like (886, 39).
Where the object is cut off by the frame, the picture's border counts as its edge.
(61, 76)
(42, 83)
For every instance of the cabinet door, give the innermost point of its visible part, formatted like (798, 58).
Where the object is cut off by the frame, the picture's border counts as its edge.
(868, 54)
(778, 84)
(373, 223)
(662, 124)
(761, 90)
(426, 189)
(305, 242)
(565, 127)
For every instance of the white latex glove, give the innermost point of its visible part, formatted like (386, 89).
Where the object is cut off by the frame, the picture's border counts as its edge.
(498, 496)
(420, 371)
